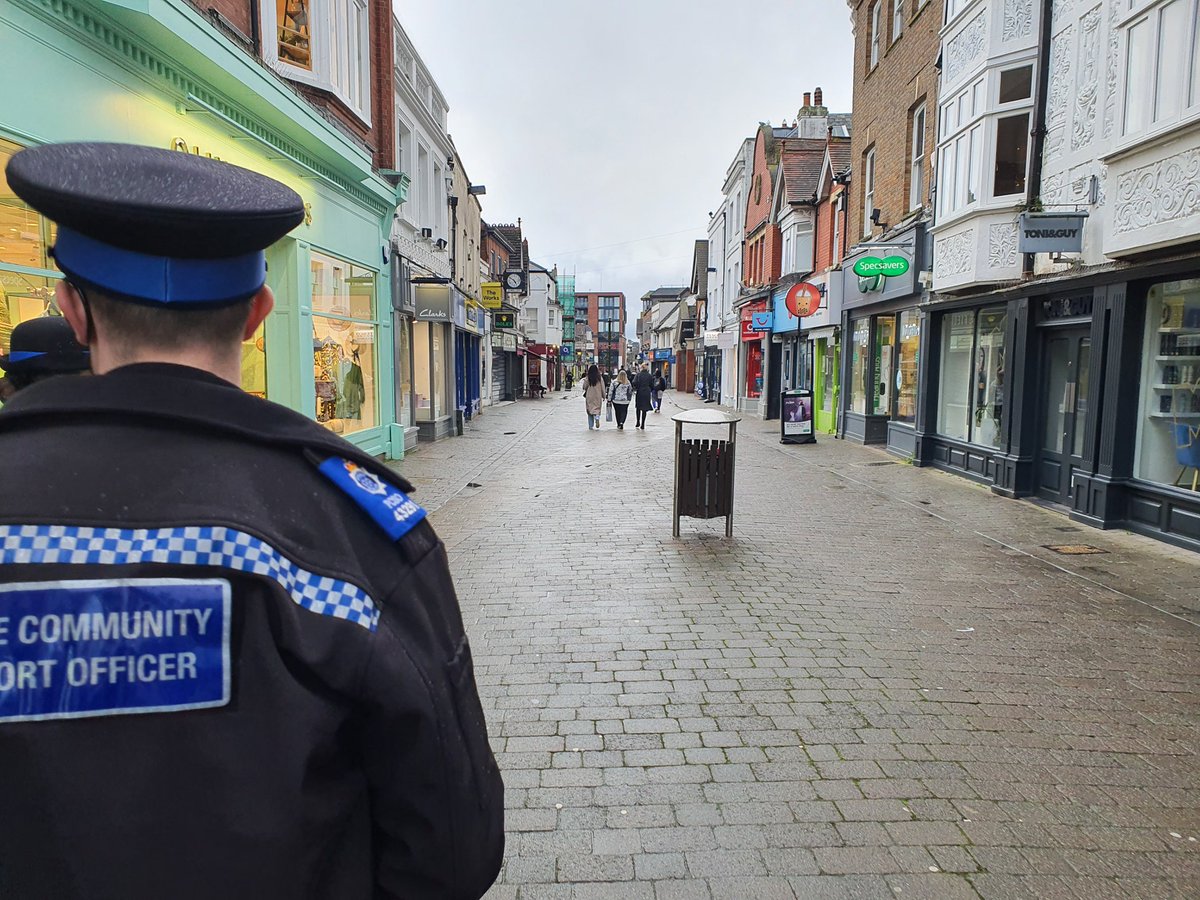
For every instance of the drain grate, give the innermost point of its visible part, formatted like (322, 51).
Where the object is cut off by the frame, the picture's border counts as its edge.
(880, 464)
(1074, 549)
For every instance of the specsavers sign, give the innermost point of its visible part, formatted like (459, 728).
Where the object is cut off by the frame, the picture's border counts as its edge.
(889, 267)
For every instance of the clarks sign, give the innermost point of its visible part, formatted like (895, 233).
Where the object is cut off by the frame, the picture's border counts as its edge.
(1050, 232)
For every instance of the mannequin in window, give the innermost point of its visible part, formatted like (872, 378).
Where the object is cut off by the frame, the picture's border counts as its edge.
(294, 44)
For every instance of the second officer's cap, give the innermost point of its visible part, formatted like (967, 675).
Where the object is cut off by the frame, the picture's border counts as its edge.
(156, 226)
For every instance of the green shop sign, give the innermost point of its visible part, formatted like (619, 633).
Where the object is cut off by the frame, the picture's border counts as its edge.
(890, 267)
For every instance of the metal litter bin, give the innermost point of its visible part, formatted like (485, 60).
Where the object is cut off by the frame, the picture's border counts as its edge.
(704, 469)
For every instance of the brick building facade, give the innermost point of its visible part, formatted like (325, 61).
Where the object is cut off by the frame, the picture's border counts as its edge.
(895, 80)
(763, 243)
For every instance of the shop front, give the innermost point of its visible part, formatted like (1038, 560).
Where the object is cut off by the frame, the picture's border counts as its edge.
(805, 324)
(326, 349)
(752, 368)
(710, 371)
(1084, 395)
(505, 371)
(881, 329)
(467, 365)
(433, 361)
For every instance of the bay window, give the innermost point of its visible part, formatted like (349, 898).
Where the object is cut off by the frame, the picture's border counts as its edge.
(324, 43)
(1012, 154)
(1162, 77)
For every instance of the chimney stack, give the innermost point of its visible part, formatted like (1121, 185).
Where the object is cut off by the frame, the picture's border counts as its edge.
(807, 99)
(817, 96)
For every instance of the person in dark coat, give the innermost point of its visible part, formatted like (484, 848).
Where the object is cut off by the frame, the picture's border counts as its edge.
(39, 349)
(643, 388)
(243, 668)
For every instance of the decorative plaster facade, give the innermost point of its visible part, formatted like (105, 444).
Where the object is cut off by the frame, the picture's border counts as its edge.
(987, 47)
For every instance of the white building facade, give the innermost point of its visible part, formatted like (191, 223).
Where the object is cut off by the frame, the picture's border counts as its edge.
(1072, 374)
(426, 308)
(726, 233)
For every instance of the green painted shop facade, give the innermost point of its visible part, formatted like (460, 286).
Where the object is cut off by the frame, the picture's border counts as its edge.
(159, 73)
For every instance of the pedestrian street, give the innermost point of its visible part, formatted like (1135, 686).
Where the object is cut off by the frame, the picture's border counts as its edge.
(884, 686)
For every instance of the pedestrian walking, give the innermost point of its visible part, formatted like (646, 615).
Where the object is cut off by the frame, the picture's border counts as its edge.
(594, 392)
(252, 678)
(39, 349)
(619, 396)
(643, 387)
(660, 385)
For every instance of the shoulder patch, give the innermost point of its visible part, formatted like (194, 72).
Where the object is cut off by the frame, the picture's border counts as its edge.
(389, 506)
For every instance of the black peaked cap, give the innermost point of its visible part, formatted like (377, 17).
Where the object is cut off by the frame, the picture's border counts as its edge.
(52, 337)
(154, 201)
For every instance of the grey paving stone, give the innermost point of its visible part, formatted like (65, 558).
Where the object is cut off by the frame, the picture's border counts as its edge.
(845, 721)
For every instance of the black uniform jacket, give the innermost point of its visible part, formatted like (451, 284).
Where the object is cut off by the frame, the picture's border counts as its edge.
(349, 759)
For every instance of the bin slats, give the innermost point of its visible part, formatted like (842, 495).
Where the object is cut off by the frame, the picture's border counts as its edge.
(705, 478)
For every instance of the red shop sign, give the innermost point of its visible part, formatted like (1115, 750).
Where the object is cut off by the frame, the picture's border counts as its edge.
(747, 318)
(803, 299)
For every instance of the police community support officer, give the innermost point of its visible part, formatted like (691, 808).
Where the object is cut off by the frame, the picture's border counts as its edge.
(38, 349)
(232, 663)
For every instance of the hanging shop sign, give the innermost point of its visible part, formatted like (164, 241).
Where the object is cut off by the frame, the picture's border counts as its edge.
(491, 293)
(889, 266)
(509, 342)
(1050, 232)
(712, 338)
(432, 302)
(504, 320)
(762, 321)
(662, 353)
(803, 299)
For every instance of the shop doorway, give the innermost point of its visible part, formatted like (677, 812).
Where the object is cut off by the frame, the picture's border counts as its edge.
(1066, 361)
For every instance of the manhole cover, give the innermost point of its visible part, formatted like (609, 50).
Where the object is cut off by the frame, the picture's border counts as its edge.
(1073, 549)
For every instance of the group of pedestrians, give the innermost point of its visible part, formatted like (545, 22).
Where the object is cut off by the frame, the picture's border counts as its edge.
(644, 390)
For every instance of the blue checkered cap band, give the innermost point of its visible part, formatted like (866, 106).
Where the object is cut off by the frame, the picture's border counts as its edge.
(188, 545)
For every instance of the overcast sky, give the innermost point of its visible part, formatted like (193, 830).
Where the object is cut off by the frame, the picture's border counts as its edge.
(607, 125)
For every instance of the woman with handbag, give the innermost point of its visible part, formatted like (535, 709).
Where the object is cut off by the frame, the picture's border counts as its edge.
(593, 396)
(619, 395)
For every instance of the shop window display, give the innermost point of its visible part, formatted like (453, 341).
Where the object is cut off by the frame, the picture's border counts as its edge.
(885, 359)
(971, 391)
(860, 342)
(754, 371)
(344, 345)
(908, 344)
(1169, 424)
(25, 241)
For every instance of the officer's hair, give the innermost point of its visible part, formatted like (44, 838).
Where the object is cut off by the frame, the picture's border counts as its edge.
(133, 325)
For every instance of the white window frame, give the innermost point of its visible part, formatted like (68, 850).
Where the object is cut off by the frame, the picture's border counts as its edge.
(338, 29)
(868, 191)
(1150, 11)
(876, 18)
(916, 166)
(897, 19)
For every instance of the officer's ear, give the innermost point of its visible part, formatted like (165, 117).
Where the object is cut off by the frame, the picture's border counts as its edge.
(261, 305)
(73, 310)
